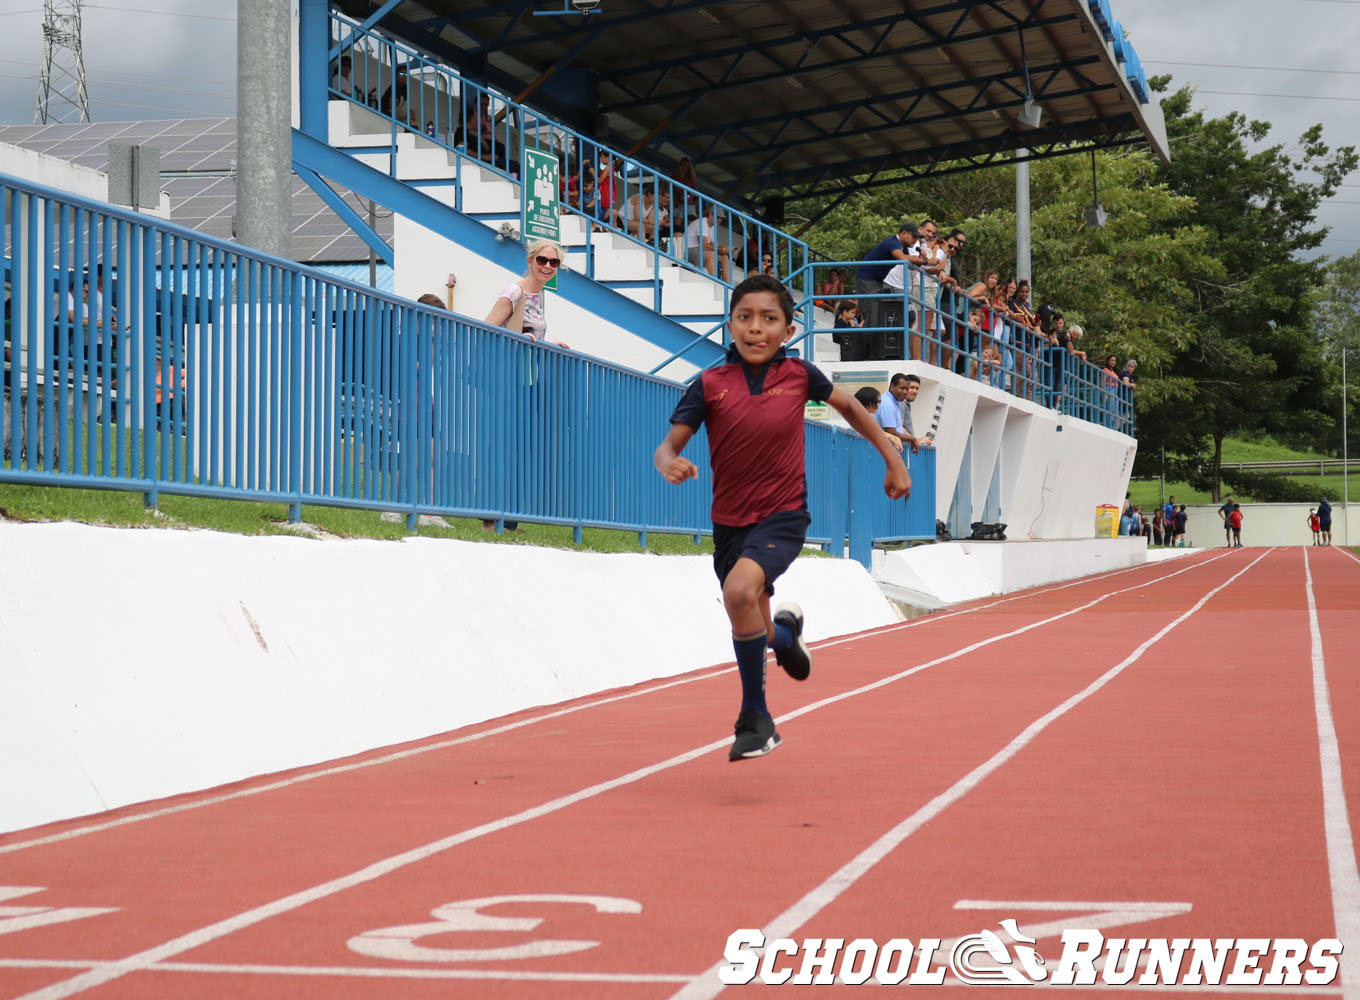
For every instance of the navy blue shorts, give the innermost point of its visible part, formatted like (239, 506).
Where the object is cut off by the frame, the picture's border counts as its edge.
(773, 543)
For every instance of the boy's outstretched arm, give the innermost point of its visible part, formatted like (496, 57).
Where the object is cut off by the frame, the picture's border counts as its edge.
(897, 481)
(673, 468)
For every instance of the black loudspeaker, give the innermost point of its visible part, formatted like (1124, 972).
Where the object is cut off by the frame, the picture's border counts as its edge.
(773, 211)
(889, 344)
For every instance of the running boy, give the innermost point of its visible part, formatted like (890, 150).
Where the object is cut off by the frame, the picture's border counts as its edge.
(753, 406)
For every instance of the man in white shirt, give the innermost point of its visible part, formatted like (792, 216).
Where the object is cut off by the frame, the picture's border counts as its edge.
(700, 247)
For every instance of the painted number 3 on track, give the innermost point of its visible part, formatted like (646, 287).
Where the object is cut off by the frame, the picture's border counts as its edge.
(400, 942)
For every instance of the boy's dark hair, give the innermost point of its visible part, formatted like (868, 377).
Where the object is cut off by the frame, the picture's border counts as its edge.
(898, 377)
(763, 283)
(868, 396)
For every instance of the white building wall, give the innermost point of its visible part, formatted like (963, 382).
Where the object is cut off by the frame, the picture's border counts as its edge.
(1053, 470)
(54, 172)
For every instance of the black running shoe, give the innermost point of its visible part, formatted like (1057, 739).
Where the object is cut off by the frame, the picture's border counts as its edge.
(755, 735)
(796, 660)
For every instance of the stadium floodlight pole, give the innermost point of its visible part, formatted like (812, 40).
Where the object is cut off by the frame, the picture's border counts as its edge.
(1345, 459)
(1022, 231)
(264, 123)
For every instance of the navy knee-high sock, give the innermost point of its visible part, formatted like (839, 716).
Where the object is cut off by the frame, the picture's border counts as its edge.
(783, 638)
(751, 665)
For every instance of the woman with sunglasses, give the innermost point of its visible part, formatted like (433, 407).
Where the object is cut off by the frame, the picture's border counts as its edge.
(520, 308)
(520, 305)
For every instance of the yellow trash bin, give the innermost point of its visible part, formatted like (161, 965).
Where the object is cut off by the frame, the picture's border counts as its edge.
(1107, 521)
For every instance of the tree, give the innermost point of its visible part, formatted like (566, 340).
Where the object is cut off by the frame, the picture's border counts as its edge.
(1337, 322)
(1251, 356)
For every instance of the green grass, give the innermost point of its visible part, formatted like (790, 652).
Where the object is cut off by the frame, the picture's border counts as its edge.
(1148, 492)
(244, 517)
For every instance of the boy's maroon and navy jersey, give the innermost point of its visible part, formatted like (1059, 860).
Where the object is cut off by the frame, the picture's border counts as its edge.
(755, 433)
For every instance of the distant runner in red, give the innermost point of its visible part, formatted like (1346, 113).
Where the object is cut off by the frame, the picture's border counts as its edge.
(753, 406)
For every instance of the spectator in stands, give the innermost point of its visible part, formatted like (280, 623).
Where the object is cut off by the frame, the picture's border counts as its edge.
(642, 215)
(1109, 382)
(1158, 527)
(832, 288)
(1126, 373)
(1002, 339)
(1020, 306)
(934, 260)
(894, 413)
(431, 299)
(581, 191)
(869, 398)
(700, 247)
(343, 83)
(880, 259)
(855, 345)
(685, 204)
(520, 306)
(606, 189)
(992, 368)
(396, 100)
(1073, 335)
(958, 302)
(684, 174)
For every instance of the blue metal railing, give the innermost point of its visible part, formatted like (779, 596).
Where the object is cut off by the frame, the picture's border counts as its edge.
(201, 368)
(484, 127)
(955, 331)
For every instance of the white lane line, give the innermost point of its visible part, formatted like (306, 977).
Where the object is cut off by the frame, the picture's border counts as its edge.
(364, 971)
(1341, 866)
(152, 956)
(707, 984)
(326, 772)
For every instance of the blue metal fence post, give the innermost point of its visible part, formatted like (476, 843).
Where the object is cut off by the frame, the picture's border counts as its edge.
(293, 330)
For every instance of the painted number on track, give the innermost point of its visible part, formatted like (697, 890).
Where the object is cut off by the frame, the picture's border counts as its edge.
(465, 915)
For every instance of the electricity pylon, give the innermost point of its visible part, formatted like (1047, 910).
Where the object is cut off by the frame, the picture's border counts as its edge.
(61, 84)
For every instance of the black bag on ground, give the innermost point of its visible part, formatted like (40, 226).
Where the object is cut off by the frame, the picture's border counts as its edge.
(984, 531)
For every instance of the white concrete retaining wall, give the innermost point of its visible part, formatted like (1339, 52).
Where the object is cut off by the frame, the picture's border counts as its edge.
(1040, 473)
(933, 576)
(140, 664)
(1268, 524)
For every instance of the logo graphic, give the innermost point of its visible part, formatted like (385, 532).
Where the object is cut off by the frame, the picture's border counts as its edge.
(984, 958)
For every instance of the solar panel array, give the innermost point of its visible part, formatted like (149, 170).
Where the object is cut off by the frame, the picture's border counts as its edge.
(198, 160)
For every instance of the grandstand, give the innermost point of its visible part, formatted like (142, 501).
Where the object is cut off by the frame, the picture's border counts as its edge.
(208, 368)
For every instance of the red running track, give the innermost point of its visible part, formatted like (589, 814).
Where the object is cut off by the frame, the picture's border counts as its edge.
(1161, 752)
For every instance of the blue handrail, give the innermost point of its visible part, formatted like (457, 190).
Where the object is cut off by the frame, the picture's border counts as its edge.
(204, 368)
(487, 128)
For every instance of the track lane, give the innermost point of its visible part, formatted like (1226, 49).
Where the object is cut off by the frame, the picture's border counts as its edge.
(646, 733)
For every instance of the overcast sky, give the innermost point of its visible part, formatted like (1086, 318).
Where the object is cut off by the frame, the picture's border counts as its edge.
(1290, 62)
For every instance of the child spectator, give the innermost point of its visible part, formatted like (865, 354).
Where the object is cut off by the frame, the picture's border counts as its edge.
(1315, 525)
(760, 515)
